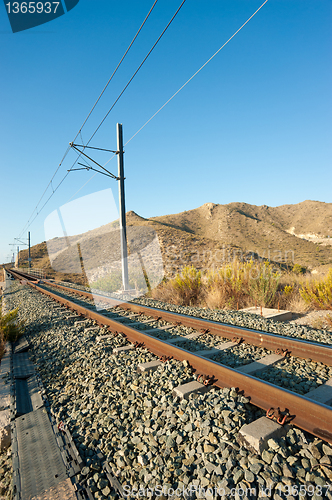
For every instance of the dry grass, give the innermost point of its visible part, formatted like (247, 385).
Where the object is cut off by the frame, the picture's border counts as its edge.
(296, 304)
(185, 289)
(239, 285)
(233, 286)
(318, 293)
(217, 298)
(322, 322)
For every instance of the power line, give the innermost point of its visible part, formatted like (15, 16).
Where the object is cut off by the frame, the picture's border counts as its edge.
(93, 107)
(172, 97)
(186, 83)
(116, 69)
(139, 67)
(200, 69)
(124, 89)
(131, 79)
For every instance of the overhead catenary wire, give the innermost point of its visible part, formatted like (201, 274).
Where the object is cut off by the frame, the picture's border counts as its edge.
(131, 79)
(139, 67)
(119, 96)
(193, 76)
(146, 123)
(86, 119)
(116, 69)
(175, 94)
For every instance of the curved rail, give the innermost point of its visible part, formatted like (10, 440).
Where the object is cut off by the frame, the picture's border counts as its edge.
(295, 347)
(313, 417)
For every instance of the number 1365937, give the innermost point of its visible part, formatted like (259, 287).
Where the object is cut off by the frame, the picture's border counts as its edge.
(32, 7)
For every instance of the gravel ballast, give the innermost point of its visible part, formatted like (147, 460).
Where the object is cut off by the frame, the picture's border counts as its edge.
(150, 438)
(246, 320)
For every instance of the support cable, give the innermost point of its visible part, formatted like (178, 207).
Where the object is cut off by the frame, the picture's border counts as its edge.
(172, 97)
(93, 107)
(139, 67)
(186, 83)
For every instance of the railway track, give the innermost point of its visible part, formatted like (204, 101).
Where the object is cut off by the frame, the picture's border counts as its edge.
(302, 410)
(45, 461)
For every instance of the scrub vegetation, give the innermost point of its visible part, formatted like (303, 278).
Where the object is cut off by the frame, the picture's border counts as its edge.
(10, 328)
(245, 284)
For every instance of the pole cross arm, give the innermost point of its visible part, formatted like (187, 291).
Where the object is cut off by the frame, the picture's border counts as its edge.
(72, 145)
(87, 167)
(90, 147)
(20, 241)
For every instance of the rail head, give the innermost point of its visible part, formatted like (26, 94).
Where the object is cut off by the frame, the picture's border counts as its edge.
(313, 417)
(294, 346)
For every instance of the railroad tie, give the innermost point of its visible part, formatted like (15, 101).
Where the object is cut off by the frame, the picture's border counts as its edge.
(322, 394)
(184, 338)
(207, 353)
(261, 364)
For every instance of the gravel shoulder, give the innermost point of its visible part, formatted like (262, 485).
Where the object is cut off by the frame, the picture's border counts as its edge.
(150, 438)
(298, 328)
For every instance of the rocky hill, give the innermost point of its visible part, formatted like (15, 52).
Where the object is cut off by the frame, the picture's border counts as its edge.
(205, 237)
(302, 232)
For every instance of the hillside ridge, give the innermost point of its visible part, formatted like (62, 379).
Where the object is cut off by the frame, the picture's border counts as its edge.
(214, 233)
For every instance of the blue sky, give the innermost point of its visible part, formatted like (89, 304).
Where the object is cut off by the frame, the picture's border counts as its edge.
(253, 126)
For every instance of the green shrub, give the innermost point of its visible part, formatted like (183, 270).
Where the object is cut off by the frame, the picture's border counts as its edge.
(185, 289)
(10, 328)
(318, 294)
(298, 269)
(228, 287)
(288, 290)
(238, 284)
(188, 285)
(263, 287)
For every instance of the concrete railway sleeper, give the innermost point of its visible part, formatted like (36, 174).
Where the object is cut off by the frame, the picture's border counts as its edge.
(45, 460)
(310, 415)
(234, 354)
(153, 433)
(269, 341)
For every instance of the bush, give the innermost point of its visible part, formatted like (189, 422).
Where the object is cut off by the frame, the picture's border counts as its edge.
(185, 289)
(228, 287)
(235, 286)
(298, 269)
(240, 284)
(318, 294)
(187, 284)
(10, 328)
(263, 287)
(288, 290)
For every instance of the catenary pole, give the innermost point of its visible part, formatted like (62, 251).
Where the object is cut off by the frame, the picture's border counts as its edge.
(29, 250)
(122, 209)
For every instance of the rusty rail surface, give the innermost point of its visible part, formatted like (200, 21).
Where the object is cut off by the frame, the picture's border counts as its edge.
(295, 347)
(313, 417)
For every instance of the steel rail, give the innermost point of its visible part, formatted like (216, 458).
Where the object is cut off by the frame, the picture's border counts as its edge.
(295, 347)
(313, 417)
